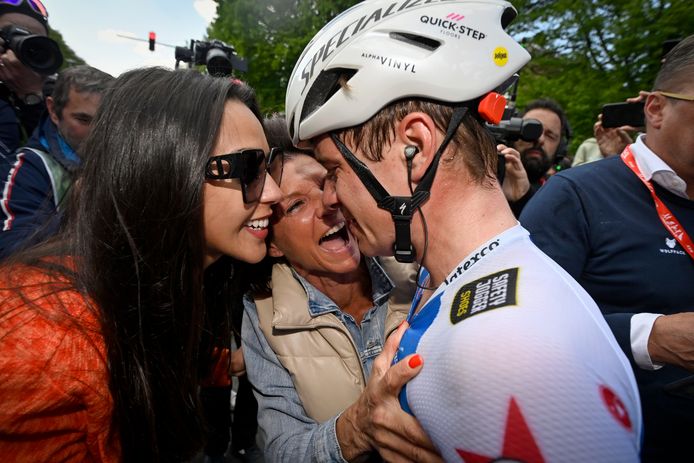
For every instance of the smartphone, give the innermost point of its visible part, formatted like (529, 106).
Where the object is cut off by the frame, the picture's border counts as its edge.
(619, 114)
(682, 388)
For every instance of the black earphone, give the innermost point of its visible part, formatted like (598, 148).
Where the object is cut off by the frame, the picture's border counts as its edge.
(410, 152)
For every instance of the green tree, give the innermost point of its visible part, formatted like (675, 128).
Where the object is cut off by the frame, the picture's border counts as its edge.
(590, 52)
(585, 52)
(70, 58)
(271, 35)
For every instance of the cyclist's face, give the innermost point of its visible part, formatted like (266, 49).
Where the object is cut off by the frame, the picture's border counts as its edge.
(372, 226)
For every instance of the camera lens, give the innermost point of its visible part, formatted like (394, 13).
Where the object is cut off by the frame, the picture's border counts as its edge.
(218, 63)
(39, 53)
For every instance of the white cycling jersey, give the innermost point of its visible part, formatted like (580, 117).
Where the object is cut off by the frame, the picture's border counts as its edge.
(519, 364)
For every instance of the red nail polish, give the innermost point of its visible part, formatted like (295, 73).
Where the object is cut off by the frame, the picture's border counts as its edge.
(415, 361)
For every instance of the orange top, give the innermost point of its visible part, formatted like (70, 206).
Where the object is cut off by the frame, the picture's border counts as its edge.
(54, 394)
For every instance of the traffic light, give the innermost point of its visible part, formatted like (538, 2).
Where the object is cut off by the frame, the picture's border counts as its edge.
(152, 40)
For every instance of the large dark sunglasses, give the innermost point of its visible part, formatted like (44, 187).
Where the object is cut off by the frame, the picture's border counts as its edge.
(247, 165)
(275, 164)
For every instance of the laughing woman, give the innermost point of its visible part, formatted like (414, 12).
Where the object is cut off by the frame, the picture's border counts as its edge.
(100, 328)
(311, 334)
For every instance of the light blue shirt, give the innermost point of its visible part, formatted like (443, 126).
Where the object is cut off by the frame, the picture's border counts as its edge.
(289, 434)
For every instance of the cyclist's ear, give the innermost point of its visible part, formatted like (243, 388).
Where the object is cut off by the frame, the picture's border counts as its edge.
(416, 136)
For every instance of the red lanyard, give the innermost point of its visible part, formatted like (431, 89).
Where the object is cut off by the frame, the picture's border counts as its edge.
(669, 220)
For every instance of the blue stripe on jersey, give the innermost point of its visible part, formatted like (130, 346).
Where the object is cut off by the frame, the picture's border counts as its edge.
(419, 323)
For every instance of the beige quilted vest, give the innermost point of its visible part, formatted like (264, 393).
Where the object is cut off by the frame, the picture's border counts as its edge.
(318, 352)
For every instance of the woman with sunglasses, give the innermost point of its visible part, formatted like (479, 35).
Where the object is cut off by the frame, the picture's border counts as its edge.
(100, 328)
(318, 317)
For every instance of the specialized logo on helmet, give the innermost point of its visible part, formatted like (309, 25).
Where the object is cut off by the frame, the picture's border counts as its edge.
(500, 56)
(338, 39)
(451, 26)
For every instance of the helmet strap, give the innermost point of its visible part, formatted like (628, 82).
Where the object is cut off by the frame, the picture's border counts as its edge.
(401, 208)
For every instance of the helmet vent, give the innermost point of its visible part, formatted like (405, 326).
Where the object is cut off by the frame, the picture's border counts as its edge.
(508, 16)
(325, 86)
(416, 40)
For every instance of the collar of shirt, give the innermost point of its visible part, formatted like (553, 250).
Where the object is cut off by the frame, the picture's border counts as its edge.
(654, 168)
(319, 303)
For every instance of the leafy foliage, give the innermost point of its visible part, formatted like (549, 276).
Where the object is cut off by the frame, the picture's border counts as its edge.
(271, 34)
(70, 58)
(585, 52)
(590, 52)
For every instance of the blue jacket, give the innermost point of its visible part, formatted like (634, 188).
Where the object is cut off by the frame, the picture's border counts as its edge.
(16, 120)
(599, 222)
(34, 182)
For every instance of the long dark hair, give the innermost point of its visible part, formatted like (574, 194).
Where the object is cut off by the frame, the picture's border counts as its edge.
(256, 277)
(135, 231)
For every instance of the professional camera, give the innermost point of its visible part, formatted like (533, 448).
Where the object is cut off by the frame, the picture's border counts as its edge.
(510, 129)
(37, 52)
(516, 128)
(220, 58)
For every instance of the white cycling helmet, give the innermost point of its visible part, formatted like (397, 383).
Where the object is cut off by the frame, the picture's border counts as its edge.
(445, 50)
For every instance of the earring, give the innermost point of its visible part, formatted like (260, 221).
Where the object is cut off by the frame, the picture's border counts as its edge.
(410, 151)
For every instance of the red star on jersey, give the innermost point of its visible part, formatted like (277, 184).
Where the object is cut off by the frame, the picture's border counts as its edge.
(519, 443)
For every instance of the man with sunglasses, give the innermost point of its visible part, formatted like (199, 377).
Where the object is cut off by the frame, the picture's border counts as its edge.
(21, 89)
(623, 227)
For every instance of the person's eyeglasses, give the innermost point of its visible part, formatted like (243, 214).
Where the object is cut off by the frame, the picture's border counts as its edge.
(275, 164)
(677, 96)
(35, 5)
(247, 165)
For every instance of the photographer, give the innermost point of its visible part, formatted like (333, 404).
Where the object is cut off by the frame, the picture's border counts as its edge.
(540, 158)
(21, 88)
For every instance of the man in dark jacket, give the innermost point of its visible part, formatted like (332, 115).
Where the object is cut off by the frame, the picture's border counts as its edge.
(35, 179)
